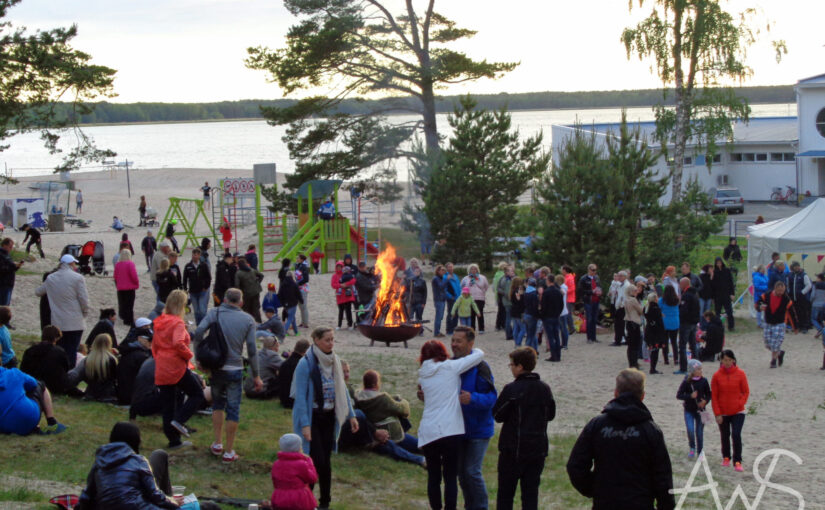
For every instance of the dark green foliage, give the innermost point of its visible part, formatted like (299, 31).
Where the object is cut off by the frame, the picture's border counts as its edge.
(37, 71)
(601, 205)
(471, 195)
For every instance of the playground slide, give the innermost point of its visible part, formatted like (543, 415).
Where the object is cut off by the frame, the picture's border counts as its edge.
(359, 240)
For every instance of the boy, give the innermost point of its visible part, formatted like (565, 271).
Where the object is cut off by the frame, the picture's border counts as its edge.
(33, 236)
(524, 407)
(273, 324)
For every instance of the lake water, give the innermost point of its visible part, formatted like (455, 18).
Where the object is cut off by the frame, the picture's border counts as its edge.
(240, 144)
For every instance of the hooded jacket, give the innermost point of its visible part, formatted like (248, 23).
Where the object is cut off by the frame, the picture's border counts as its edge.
(291, 475)
(730, 391)
(722, 282)
(478, 286)
(289, 294)
(686, 389)
(384, 411)
(531, 301)
(196, 278)
(525, 406)
(18, 413)
(441, 383)
(132, 356)
(478, 414)
(714, 339)
(249, 281)
(121, 479)
(621, 460)
(170, 348)
(47, 362)
(654, 325)
(365, 285)
(8, 268)
(224, 277)
(760, 283)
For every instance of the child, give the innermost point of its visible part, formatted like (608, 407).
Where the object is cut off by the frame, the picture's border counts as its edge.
(775, 305)
(695, 391)
(464, 307)
(33, 236)
(714, 337)
(316, 257)
(226, 234)
(273, 324)
(523, 407)
(292, 474)
(271, 299)
(251, 256)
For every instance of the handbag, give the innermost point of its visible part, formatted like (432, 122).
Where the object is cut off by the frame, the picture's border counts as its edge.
(211, 351)
(706, 416)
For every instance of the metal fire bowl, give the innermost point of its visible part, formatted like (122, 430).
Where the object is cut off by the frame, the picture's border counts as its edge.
(389, 335)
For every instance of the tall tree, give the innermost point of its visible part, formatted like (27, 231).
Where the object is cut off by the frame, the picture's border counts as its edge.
(471, 196)
(699, 50)
(36, 72)
(359, 47)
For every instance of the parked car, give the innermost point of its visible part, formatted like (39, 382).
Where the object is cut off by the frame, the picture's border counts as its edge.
(726, 199)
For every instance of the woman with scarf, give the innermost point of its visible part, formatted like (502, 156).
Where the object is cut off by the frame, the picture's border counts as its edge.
(322, 406)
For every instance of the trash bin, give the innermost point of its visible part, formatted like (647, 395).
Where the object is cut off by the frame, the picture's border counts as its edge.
(56, 222)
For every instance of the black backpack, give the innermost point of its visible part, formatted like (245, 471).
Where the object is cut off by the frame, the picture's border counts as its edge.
(211, 351)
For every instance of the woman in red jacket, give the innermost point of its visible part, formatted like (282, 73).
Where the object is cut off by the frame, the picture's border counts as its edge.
(170, 348)
(291, 475)
(730, 391)
(344, 284)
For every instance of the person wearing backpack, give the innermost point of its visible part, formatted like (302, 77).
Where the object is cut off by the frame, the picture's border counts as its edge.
(237, 328)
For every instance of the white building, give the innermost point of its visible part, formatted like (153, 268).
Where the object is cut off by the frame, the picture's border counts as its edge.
(766, 153)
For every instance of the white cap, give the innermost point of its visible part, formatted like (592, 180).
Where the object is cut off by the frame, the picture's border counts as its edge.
(143, 321)
(67, 259)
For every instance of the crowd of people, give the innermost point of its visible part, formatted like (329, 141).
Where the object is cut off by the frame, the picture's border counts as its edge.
(154, 370)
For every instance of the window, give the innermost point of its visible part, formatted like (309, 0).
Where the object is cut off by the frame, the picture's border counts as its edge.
(780, 157)
(688, 160)
(748, 157)
(736, 157)
(790, 157)
(761, 156)
(776, 157)
(717, 158)
(820, 122)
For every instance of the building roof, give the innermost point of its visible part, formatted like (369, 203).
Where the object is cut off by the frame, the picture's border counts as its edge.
(813, 80)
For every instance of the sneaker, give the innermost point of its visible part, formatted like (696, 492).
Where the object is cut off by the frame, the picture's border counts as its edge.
(654, 372)
(180, 445)
(738, 467)
(691, 453)
(230, 457)
(57, 428)
(781, 357)
(304, 326)
(481, 332)
(338, 328)
(180, 428)
(216, 449)
(679, 372)
(726, 462)
(773, 363)
(204, 412)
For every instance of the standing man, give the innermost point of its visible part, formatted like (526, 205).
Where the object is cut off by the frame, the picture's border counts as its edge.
(196, 281)
(439, 299)
(33, 236)
(227, 382)
(477, 397)
(570, 281)
(224, 276)
(618, 305)
(149, 246)
(550, 308)
(8, 270)
(695, 280)
(160, 255)
(78, 200)
(248, 279)
(69, 303)
(302, 279)
(590, 290)
(453, 289)
(799, 288)
(620, 459)
(689, 316)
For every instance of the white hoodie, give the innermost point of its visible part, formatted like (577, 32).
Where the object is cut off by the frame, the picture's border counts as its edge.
(441, 384)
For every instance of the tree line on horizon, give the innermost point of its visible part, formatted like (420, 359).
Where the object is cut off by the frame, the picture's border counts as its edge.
(115, 113)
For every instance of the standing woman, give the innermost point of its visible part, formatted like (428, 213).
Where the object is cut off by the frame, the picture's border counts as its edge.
(170, 348)
(319, 412)
(289, 295)
(633, 325)
(669, 304)
(517, 310)
(655, 336)
(441, 431)
(730, 391)
(126, 283)
(669, 278)
(478, 285)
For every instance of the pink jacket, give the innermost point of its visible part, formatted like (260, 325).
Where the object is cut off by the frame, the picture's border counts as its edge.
(291, 475)
(126, 277)
(341, 289)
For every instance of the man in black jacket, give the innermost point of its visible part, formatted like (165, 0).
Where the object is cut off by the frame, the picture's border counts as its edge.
(590, 292)
(695, 281)
(224, 277)
(47, 362)
(620, 459)
(197, 280)
(689, 316)
(149, 245)
(525, 406)
(550, 308)
(287, 370)
(8, 270)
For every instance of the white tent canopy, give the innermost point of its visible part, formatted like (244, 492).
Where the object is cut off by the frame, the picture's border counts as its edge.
(800, 237)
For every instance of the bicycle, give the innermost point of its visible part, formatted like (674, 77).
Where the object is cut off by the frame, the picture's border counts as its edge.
(788, 197)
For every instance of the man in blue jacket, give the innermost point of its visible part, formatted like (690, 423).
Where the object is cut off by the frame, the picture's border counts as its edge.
(453, 288)
(477, 397)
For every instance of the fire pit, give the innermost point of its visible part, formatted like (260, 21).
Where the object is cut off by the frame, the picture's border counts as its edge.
(387, 321)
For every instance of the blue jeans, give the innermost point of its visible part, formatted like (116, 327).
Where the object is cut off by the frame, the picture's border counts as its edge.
(551, 328)
(466, 321)
(469, 473)
(5, 296)
(695, 431)
(452, 320)
(200, 302)
(508, 324)
(563, 330)
(69, 342)
(591, 314)
(290, 319)
(519, 330)
(403, 450)
(226, 393)
(530, 325)
(418, 312)
(704, 305)
(439, 316)
(156, 287)
(814, 314)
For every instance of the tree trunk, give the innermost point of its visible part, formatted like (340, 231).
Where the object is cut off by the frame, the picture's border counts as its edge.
(680, 142)
(430, 127)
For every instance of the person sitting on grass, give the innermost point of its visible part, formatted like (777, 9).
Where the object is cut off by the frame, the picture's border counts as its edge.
(272, 324)
(287, 370)
(465, 307)
(47, 362)
(105, 325)
(9, 359)
(134, 350)
(98, 370)
(714, 337)
(22, 400)
(269, 362)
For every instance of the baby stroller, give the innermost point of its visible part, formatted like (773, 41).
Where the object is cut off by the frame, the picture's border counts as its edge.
(92, 251)
(72, 249)
(151, 217)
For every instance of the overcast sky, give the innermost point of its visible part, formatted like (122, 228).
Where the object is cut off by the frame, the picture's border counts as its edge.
(194, 50)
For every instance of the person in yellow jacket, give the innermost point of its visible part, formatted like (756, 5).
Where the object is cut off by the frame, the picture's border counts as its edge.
(464, 307)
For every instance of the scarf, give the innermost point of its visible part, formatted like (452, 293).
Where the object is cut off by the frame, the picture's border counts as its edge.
(330, 366)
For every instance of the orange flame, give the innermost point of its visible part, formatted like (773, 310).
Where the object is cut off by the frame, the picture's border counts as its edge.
(389, 305)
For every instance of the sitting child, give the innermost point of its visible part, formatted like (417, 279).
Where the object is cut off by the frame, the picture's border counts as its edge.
(292, 474)
(714, 337)
(117, 224)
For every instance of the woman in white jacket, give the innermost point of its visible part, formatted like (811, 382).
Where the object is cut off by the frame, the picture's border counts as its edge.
(442, 425)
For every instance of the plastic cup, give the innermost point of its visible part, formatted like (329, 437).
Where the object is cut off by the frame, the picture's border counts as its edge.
(178, 490)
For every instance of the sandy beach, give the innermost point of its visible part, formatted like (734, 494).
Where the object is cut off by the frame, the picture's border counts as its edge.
(785, 403)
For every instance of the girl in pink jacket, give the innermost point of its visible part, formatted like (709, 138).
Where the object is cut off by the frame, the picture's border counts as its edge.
(126, 283)
(291, 475)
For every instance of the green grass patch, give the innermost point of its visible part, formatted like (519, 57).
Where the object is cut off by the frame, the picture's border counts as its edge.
(22, 495)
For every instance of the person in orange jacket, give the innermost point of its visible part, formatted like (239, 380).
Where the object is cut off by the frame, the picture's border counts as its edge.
(730, 391)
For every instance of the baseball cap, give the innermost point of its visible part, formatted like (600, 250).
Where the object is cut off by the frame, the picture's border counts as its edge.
(67, 259)
(142, 321)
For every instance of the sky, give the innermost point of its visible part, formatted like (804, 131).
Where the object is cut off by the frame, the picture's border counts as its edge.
(194, 50)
